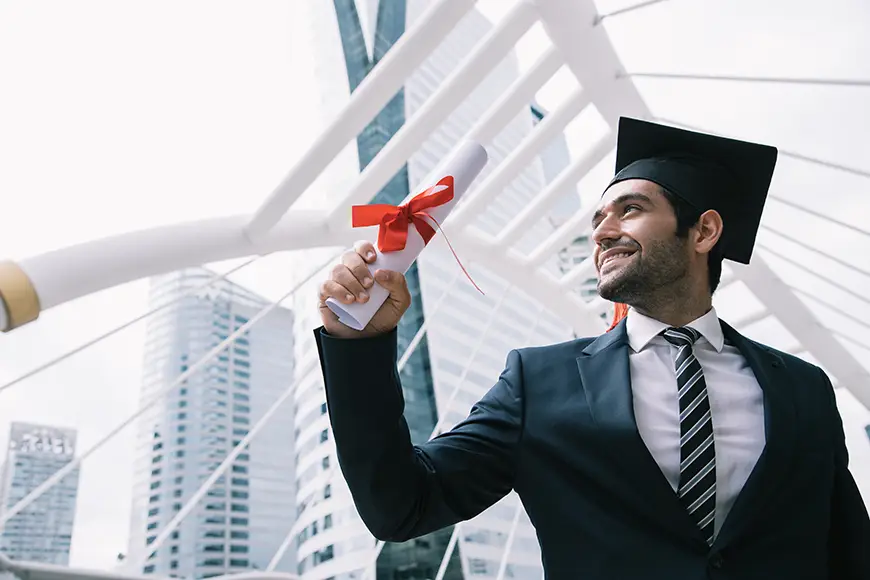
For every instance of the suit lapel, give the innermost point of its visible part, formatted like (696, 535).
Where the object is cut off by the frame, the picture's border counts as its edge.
(604, 372)
(779, 425)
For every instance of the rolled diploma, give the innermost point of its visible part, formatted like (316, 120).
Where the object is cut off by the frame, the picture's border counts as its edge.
(464, 166)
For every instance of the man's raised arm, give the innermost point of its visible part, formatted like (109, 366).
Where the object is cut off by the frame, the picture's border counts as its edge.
(401, 490)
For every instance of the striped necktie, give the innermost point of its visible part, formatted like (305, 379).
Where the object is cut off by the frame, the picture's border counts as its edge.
(697, 489)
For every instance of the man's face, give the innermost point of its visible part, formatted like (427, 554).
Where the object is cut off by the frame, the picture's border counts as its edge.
(637, 250)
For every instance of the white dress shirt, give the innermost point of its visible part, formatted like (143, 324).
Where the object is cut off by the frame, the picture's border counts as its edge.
(736, 403)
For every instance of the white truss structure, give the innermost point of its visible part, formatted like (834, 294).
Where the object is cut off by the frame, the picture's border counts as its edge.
(579, 42)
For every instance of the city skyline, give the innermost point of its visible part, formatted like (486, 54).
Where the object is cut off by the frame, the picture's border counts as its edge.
(252, 150)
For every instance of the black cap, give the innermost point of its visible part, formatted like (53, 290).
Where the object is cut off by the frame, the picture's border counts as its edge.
(707, 171)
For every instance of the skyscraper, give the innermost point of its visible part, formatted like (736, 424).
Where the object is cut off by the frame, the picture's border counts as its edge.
(43, 531)
(465, 346)
(248, 511)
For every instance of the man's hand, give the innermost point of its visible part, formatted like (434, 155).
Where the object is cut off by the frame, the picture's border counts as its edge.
(349, 282)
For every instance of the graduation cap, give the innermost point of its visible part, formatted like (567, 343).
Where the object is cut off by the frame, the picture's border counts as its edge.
(707, 171)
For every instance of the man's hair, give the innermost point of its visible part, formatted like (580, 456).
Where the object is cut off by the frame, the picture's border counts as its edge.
(688, 216)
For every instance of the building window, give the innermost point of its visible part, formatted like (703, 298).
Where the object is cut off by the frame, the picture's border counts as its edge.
(323, 555)
(212, 562)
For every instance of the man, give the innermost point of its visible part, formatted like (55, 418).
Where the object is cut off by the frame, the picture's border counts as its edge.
(670, 447)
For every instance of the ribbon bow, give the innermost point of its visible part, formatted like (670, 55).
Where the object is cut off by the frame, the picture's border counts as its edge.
(394, 219)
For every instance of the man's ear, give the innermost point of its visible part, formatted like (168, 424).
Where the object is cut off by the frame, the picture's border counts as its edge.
(708, 230)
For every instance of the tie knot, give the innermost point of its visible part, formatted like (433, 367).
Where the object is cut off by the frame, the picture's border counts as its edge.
(682, 336)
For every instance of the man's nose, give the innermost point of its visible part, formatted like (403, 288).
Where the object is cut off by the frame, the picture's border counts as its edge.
(607, 229)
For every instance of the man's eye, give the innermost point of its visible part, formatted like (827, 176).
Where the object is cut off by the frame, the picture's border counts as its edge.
(630, 207)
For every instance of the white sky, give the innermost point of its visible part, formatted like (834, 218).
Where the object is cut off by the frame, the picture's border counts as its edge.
(122, 115)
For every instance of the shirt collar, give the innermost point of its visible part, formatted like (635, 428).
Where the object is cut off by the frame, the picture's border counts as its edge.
(642, 329)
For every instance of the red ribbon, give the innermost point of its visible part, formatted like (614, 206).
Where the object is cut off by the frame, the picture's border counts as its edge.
(394, 219)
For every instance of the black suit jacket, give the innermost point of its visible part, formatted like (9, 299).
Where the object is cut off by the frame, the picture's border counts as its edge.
(558, 427)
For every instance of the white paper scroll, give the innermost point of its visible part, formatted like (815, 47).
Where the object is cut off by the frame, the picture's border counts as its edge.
(464, 166)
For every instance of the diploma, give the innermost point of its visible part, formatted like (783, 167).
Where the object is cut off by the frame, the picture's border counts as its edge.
(405, 230)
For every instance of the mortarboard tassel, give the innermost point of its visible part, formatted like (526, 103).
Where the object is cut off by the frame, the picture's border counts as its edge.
(620, 311)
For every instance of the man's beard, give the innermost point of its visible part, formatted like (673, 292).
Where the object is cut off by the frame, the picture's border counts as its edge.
(660, 265)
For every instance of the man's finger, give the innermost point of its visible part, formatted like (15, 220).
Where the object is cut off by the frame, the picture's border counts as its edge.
(365, 249)
(360, 270)
(392, 281)
(332, 289)
(343, 276)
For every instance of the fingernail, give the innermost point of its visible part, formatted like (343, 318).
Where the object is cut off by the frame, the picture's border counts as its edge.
(363, 295)
(349, 298)
(367, 282)
(370, 255)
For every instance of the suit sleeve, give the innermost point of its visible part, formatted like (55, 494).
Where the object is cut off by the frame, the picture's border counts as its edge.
(403, 491)
(849, 538)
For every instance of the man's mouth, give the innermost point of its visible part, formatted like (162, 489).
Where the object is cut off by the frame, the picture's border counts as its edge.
(613, 257)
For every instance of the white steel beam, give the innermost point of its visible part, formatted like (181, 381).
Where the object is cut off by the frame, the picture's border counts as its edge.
(518, 95)
(452, 92)
(529, 279)
(794, 315)
(565, 234)
(375, 91)
(99, 338)
(74, 271)
(578, 273)
(519, 158)
(544, 200)
(591, 57)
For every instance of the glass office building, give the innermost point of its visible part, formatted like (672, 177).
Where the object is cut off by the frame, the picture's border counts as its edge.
(43, 531)
(246, 514)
